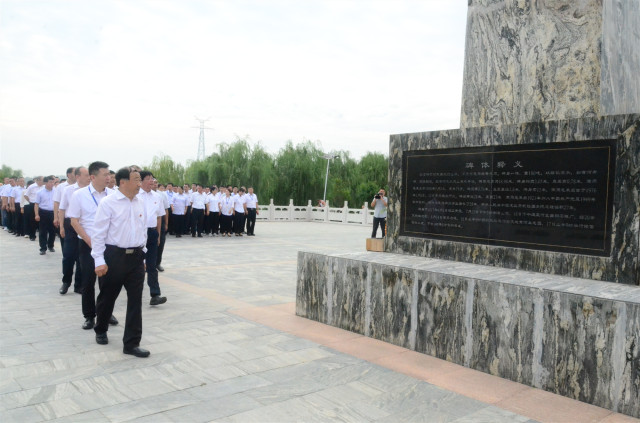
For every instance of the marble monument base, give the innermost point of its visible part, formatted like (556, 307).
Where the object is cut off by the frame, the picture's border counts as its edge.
(575, 337)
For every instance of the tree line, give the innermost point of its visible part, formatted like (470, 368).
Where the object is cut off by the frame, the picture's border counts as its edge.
(296, 172)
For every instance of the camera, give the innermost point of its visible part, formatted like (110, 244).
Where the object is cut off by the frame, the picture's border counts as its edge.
(377, 196)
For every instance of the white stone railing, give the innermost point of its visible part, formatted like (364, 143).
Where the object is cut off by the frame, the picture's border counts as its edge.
(310, 213)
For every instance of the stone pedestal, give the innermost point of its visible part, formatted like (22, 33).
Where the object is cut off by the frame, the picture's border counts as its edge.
(576, 337)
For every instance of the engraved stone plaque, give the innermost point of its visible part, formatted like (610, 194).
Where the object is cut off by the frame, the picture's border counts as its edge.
(553, 197)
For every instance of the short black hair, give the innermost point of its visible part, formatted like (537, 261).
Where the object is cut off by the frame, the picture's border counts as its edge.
(111, 172)
(63, 180)
(144, 174)
(124, 174)
(48, 178)
(94, 168)
(241, 189)
(71, 170)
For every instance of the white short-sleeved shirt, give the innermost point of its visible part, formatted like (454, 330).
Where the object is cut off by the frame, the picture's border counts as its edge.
(66, 196)
(32, 192)
(83, 206)
(252, 201)
(120, 222)
(198, 200)
(226, 205)
(45, 199)
(165, 199)
(180, 203)
(58, 191)
(153, 206)
(214, 202)
(239, 203)
(16, 193)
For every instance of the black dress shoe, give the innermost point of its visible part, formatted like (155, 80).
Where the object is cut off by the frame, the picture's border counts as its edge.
(137, 351)
(53, 250)
(157, 300)
(64, 288)
(42, 253)
(89, 324)
(77, 291)
(200, 236)
(112, 320)
(160, 268)
(101, 338)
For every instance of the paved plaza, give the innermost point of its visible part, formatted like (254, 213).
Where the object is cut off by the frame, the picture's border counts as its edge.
(227, 347)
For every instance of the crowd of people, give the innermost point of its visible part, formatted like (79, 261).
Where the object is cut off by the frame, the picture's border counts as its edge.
(112, 226)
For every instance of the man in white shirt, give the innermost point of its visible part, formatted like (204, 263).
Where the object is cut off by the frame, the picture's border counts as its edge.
(14, 205)
(29, 210)
(154, 211)
(7, 214)
(179, 205)
(81, 212)
(70, 255)
(57, 195)
(252, 211)
(240, 211)
(213, 210)
(117, 248)
(164, 226)
(43, 210)
(198, 204)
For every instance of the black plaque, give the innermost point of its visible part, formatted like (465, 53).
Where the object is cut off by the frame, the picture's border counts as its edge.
(553, 197)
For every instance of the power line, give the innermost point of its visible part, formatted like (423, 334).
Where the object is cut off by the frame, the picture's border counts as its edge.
(201, 155)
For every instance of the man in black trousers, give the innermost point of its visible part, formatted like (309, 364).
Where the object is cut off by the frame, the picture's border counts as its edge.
(43, 210)
(118, 250)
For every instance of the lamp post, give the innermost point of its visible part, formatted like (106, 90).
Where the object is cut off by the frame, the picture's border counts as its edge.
(326, 177)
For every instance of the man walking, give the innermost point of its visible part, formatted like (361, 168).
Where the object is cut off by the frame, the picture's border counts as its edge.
(29, 209)
(70, 256)
(154, 212)
(43, 210)
(82, 212)
(118, 252)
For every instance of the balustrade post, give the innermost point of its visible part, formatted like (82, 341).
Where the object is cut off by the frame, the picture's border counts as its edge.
(291, 206)
(345, 212)
(271, 210)
(326, 211)
(309, 211)
(365, 212)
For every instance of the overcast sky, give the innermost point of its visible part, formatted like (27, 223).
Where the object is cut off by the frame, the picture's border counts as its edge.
(121, 81)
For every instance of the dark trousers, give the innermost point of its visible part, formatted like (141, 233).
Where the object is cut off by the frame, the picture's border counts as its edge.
(197, 220)
(5, 218)
(225, 223)
(251, 221)
(214, 219)
(151, 260)
(18, 226)
(187, 221)
(207, 223)
(70, 256)
(88, 272)
(238, 223)
(47, 233)
(30, 220)
(382, 222)
(178, 222)
(170, 225)
(123, 270)
(163, 238)
(9, 220)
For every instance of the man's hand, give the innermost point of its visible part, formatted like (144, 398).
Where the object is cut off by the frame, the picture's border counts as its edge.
(102, 270)
(56, 222)
(37, 218)
(62, 231)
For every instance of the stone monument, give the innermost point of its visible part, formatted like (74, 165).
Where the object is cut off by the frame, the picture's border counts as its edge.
(513, 243)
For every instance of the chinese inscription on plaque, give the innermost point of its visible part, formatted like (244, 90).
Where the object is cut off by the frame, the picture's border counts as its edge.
(555, 197)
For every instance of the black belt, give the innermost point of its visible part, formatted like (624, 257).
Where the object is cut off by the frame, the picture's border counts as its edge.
(251, 208)
(125, 250)
(45, 210)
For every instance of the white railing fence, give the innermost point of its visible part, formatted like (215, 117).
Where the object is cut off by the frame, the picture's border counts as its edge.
(310, 213)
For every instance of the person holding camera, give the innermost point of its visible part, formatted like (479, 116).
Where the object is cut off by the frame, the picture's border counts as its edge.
(379, 205)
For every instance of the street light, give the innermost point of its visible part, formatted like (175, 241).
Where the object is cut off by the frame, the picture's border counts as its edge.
(326, 178)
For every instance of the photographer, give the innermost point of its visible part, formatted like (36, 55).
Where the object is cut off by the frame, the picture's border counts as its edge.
(379, 205)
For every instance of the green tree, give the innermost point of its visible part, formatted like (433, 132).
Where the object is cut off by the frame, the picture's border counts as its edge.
(166, 170)
(7, 172)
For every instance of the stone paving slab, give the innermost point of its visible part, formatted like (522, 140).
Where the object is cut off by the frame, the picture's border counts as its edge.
(226, 347)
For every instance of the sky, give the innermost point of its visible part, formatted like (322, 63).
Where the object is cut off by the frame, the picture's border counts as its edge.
(123, 81)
